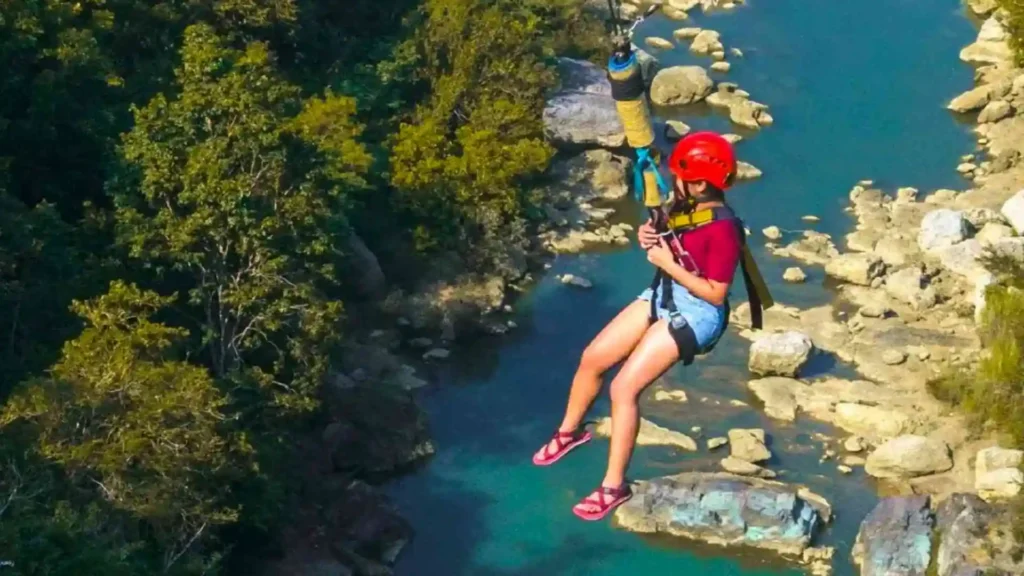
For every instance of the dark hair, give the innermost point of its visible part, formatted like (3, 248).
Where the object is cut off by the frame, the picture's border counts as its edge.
(711, 193)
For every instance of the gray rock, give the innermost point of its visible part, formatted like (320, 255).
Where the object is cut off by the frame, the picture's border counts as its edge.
(909, 456)
(725, 509)
(942, 228)
(894, 357)
(678, 85)
(895, 539)
(780, 354)
(857, 268)
(962, 520)
(579, 119)
(582, 112)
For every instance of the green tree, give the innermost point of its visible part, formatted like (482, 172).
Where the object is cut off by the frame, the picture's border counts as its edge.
(137, 427)
(460, 162)
(237, 186)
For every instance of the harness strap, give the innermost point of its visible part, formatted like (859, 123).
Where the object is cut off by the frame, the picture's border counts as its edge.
(757, 290)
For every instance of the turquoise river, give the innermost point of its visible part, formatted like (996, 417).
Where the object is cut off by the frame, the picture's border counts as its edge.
(857, 90)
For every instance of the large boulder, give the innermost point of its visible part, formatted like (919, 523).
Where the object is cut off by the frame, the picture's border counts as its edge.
(856, 268)
(895, 539)
(780, 354)
(706, 42)
(974, 99)
(725, 509)
(909, 456)
(1013, 211)
(582, 112)
(942, 228)
(963, 521)
(678, 85)
(997, 472)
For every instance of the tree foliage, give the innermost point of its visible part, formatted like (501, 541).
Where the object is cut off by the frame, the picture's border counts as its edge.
(230, 194)
(133, 424)
(180, 183)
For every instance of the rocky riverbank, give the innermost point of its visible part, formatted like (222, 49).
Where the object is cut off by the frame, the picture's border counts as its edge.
(908, 283)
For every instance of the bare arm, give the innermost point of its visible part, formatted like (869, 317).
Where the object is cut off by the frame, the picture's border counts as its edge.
(703, 288)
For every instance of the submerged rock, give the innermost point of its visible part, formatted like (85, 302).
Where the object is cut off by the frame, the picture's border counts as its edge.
(650, 434)
(896, 538)
(725, 509)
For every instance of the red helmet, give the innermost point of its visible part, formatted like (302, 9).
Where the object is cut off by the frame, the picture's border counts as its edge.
(704, 156)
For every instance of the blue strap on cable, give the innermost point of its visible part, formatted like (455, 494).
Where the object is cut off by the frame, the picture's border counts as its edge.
(644, 161)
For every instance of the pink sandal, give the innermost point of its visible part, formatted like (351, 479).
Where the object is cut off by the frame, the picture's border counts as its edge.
(564, 443)
(618, 496)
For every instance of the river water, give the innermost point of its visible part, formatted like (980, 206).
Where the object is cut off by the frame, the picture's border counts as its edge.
(857, 90)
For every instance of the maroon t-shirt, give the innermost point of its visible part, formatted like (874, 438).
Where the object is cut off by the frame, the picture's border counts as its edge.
(714, 248)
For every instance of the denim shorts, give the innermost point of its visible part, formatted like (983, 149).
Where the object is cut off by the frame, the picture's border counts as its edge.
(706, 319)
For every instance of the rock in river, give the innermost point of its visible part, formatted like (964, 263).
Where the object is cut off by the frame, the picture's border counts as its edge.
(725, 509)
(896, 538)
(678, 85)
(749, 445)
(782, 354)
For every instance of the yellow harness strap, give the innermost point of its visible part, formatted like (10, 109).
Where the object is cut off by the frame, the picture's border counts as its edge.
(757, 289)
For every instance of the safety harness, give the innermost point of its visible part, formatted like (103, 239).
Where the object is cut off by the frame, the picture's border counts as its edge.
(678, 225)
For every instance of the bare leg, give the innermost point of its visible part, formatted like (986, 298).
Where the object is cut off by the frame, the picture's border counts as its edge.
(655, 354)
(607, 349)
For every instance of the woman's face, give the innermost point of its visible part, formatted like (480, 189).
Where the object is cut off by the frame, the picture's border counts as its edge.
(689, 189)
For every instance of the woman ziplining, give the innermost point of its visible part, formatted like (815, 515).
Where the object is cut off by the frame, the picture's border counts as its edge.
(681, 315)
(694, 241)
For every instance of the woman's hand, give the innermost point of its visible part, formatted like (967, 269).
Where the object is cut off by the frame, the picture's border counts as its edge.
(646, 235)
(660, 254)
